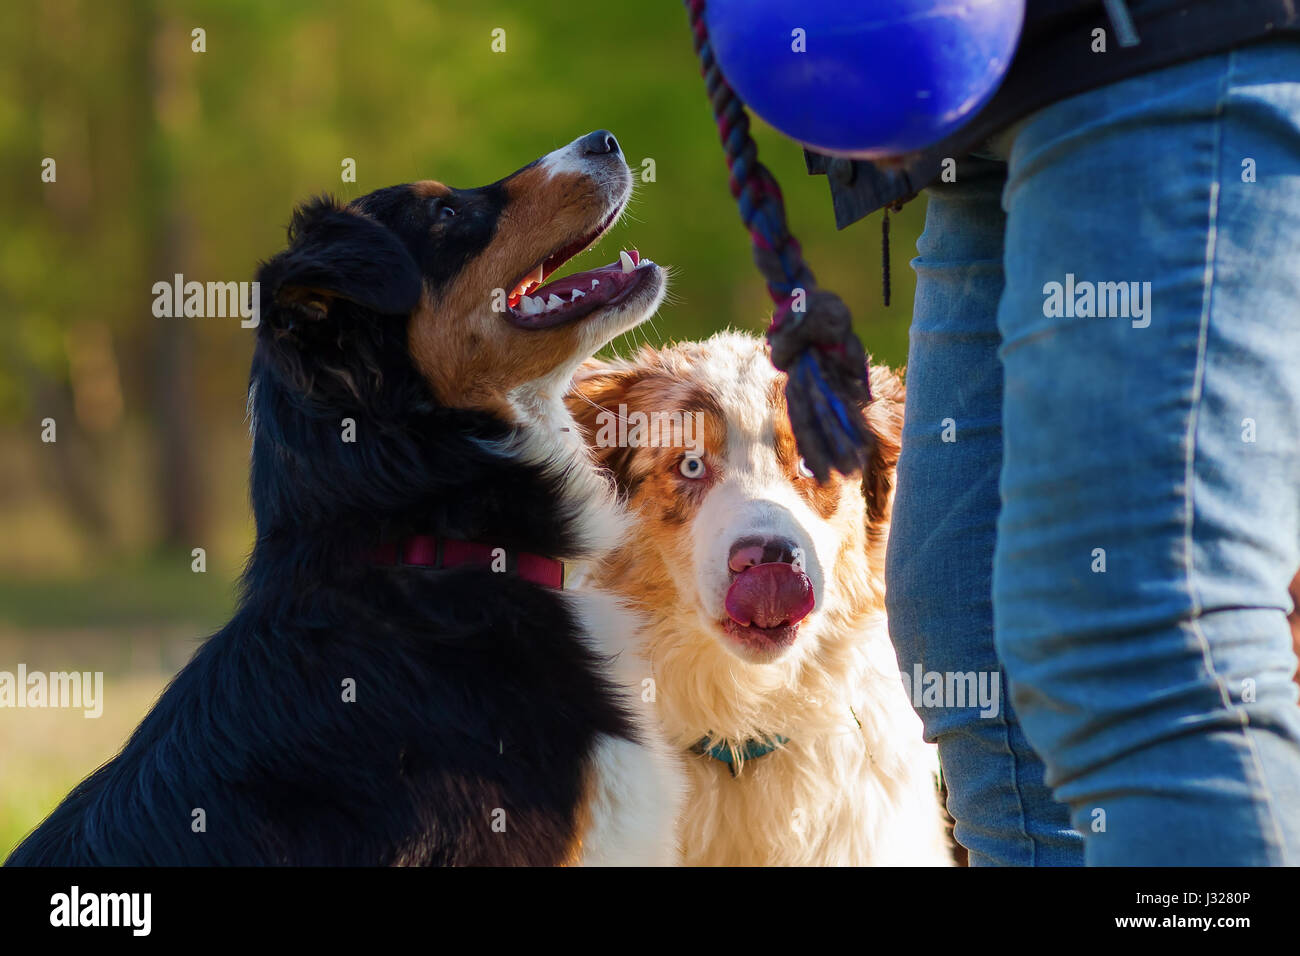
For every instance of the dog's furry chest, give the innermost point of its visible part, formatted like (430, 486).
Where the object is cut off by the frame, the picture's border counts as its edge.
(820, 801)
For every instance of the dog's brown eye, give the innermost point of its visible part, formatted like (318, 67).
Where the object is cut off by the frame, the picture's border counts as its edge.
(804, 470)
(692, 466)
(446, 212)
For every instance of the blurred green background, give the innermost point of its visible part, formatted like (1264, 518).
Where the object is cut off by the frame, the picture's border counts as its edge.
(170, 160)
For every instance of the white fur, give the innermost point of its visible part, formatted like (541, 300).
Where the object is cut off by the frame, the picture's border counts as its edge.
(568, 160)
(836, 794)
(637, 789)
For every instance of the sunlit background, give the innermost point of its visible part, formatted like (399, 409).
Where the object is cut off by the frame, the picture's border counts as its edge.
(174, 161)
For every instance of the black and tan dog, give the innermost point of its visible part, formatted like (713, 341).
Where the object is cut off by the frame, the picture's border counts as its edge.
(405, 680)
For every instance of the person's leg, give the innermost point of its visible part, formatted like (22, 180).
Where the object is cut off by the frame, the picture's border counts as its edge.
(939, 566)
(1150, 516)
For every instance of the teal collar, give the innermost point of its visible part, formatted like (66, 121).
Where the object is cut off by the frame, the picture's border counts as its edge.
(751, 749)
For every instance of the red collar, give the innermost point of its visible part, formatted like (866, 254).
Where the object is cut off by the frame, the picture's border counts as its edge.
(431, 551)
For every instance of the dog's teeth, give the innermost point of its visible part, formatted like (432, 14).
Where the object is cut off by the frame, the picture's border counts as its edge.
(577, 294)
(554, 302)
(594, 283)
(628, 264)
(529, 305)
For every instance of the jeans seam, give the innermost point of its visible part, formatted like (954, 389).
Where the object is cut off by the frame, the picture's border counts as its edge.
(1015, 774)
(1189, 465)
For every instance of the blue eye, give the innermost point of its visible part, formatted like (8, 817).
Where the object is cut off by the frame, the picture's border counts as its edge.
(692, 466)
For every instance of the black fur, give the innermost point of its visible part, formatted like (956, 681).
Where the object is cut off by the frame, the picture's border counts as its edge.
(473, 692)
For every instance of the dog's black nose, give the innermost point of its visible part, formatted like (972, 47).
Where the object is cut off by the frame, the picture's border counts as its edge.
(600, 142)
(749, 551)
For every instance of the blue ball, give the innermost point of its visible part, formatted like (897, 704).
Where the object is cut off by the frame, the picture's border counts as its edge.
(865, 79)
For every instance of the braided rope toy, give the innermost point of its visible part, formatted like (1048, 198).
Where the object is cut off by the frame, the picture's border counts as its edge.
(811, 335)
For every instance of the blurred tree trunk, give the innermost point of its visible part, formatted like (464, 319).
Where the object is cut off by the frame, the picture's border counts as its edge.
(165, 97)
(73, 464)
(174, 407)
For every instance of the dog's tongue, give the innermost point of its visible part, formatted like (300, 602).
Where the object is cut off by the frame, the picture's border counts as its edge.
(769, 595)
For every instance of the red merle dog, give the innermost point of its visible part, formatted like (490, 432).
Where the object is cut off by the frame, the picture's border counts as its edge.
(405, 680)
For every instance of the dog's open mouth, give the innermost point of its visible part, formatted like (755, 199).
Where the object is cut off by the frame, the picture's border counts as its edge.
(532, 305)
(765, 604)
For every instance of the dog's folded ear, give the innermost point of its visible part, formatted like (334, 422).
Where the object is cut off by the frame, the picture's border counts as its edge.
(884, 416)
(336, 254)
(598, 389)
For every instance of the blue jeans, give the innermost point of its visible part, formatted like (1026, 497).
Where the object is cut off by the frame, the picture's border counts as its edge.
(1100, 504)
